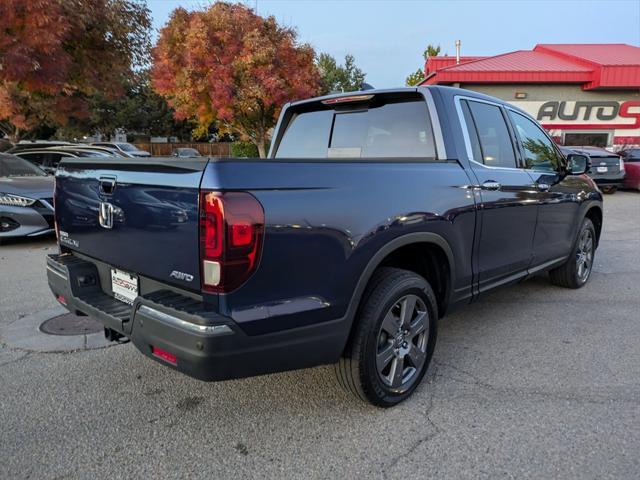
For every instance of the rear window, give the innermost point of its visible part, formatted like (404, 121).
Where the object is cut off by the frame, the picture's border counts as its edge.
(391, 130)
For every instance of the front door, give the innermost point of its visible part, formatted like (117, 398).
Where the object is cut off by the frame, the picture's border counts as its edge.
(558, 198)
(508, 201)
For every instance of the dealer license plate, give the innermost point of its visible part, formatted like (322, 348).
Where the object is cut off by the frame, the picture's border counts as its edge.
(601, 169)
(124, 286)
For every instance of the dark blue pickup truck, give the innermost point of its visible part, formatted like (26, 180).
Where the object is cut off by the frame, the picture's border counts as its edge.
(374, 214)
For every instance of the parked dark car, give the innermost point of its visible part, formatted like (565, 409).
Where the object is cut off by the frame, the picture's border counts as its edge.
(186, 152)
(630, 155)
(607, 169)
(374, 215)
(124, 147)
(26, 199)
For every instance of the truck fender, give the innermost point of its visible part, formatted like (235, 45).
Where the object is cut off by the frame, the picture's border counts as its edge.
(375, 261)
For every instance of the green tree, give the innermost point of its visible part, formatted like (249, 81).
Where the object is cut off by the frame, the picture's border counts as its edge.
(431, 51)
(417, 77)
(339, 78)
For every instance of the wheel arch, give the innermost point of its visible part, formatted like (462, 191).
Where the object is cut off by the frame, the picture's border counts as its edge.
(393, 252)
(594, 213)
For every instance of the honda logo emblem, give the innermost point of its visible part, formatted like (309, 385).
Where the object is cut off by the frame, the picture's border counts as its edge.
(105, 215)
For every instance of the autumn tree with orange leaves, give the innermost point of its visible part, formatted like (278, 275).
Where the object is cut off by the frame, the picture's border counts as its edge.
(55, 55)
(227, 66)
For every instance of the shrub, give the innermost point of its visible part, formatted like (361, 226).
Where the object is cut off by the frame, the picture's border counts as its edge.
(244, 149)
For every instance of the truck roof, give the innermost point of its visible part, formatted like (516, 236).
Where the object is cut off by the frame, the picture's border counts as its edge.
(444, 90)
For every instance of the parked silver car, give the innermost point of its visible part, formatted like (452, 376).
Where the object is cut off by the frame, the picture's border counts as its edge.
(26, 198)
(125, 147)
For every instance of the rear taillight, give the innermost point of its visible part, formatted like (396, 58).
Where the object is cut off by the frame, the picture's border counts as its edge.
(621, 165)
(231, 232)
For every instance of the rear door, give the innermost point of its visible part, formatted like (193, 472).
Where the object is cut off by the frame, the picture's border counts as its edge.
(136, 215)
(508, 207)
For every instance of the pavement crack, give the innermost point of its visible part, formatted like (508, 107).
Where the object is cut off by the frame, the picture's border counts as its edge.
(434, 431)
(594, 399)
(16, 360)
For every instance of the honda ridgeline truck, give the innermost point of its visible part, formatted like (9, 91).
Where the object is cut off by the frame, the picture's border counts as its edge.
(375, 214)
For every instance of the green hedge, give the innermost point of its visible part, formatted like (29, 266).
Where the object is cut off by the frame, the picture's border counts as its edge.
(244, 149)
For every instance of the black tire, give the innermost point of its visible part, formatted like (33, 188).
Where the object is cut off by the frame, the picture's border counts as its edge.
(370, 344)
(569, 275)
(609, 190)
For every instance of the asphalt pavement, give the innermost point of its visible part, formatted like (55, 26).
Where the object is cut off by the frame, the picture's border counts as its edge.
(533, 381)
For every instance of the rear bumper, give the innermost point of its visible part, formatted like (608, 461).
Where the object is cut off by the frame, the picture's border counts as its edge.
(612, 180)
(206, 345)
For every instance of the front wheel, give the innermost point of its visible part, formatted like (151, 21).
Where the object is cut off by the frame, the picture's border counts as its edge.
(575, 272)
(393, 340)
(609, 190)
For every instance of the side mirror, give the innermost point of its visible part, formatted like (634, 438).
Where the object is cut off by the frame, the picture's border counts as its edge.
(578, 164)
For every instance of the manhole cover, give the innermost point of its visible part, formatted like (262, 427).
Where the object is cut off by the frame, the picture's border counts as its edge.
(70, 324)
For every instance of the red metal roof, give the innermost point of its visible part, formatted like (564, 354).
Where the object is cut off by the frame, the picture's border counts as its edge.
(599, 54)
(593, 66)
(436, 63)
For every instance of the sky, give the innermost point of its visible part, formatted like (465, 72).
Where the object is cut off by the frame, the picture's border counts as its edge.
(387, 37)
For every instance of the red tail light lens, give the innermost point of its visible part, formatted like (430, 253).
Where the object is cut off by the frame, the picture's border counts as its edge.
(231, 232)
(164, 355)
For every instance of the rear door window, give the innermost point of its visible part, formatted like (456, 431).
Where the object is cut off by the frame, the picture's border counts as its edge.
(493, 134)
(391, 130)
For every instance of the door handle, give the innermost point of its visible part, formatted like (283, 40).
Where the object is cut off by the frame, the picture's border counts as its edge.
(543, 187)
(490, 185)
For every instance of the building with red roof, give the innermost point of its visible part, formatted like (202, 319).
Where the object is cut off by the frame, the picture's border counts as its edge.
(584, 94)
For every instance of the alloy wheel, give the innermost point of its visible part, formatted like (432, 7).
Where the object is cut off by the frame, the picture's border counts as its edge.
(402, 342)
(584, 255)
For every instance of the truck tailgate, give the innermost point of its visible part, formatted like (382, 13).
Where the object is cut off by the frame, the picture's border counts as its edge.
(138, 215)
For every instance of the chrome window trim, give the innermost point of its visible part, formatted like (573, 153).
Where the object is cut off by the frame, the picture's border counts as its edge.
(465, 131)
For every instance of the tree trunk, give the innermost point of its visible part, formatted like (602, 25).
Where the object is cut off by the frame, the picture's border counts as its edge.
(262, 151)
(12, 132)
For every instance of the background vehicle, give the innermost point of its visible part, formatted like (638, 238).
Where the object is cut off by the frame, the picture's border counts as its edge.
(24, 145)
(186, 152)
(49, 158)
(26, 198)
(631, 160)
(375, 214)
(124, 147)
(607, 169)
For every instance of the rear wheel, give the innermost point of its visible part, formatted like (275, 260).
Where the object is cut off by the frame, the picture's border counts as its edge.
(576, 270)
(393, 341)
(609, 189)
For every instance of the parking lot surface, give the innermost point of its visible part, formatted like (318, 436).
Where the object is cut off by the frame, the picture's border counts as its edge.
(531, 381)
